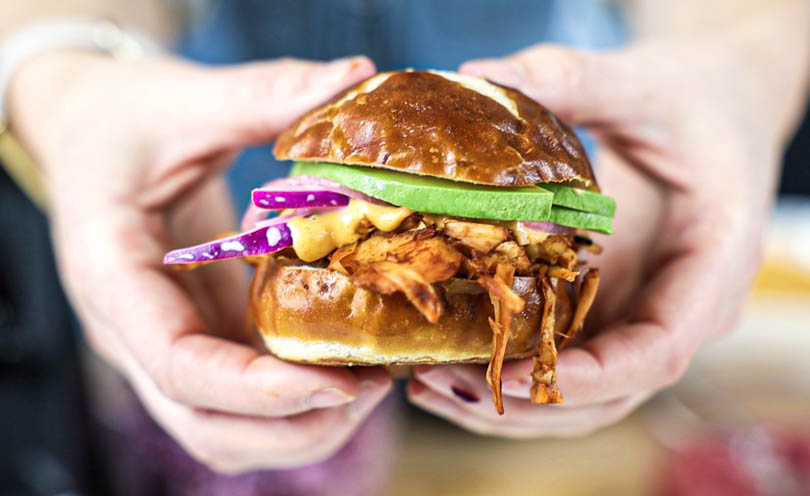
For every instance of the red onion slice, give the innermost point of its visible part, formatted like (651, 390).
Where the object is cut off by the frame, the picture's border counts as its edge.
(258, 241)
(273, 199)
(250, 220)
(303, 183)
(255, 214)
(550, 227)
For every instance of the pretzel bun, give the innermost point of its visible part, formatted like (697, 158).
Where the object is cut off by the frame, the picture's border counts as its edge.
(314, 315)
(441, 124)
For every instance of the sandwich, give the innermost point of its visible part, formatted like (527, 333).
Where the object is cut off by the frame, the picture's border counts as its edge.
(429, 218)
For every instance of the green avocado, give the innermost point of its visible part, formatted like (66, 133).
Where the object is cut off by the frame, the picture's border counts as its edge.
(581, 199)
(583, 220)
(438, 196)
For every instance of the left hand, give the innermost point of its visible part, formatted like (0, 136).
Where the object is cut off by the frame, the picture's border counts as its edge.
(689, 149)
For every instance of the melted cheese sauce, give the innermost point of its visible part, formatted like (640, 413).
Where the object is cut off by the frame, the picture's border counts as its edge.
(315, 236)
(525, 236)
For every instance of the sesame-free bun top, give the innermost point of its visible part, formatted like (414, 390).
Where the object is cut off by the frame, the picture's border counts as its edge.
(441, 124)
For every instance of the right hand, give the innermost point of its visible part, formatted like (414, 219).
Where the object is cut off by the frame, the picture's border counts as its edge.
(693, 174)
(133, 153)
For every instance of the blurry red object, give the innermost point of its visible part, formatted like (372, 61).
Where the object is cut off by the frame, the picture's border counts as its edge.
(741, 464)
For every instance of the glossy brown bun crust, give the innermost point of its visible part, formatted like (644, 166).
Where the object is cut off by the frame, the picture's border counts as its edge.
(315, 315)
(444, 125)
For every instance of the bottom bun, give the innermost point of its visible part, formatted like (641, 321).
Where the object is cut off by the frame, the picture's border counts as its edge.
(314, 315)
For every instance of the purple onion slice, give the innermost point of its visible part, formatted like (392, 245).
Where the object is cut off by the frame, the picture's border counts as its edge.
(549, 227)
(255, 216)
(255, 213)
(274, 199)
(258, 241)
(302, 183)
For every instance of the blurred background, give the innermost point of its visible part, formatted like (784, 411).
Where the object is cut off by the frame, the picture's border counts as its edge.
(737, 424)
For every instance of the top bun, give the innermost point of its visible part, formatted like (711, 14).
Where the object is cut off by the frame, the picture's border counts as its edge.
(441, 124)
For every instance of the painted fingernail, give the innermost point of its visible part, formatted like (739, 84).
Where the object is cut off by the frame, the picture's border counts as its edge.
(329, 397)
(333, 72)
(465, 395)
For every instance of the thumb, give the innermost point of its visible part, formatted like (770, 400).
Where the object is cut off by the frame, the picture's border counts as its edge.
(583, 88)
(252, 103)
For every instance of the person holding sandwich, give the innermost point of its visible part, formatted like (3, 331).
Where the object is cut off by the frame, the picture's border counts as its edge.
(690, 120)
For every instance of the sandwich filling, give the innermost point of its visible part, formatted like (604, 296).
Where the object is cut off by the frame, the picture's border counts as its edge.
(392, 232)
(425, 249)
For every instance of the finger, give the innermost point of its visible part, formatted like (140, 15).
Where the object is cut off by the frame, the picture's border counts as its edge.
(264, 98)
(118, 283)
(461, 386)
(431, 401)
(584, 88)
(247, 104)
(467, 384)
(220, 290)
(677, 311)
(232, 443)
(210, 372)
(565, 423)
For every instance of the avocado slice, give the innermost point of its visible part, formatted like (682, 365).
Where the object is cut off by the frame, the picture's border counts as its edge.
(583, 220)
(581, 199)
(438, 196)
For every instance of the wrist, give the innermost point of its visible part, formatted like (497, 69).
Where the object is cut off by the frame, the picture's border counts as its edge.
(40, 64)
(40, 96)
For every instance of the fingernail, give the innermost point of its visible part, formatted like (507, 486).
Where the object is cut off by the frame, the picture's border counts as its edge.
(367, 397)
(465, 395)
(333, 72)
(329, 397)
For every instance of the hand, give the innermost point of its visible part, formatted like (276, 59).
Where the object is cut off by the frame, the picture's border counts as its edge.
(133, 153)
(689, 149)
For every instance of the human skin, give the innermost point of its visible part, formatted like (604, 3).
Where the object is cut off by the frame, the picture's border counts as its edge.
(691, 131)
(132, 153)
